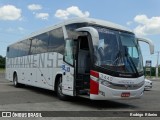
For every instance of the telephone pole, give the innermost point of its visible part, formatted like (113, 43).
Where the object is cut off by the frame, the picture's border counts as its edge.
(157, 64)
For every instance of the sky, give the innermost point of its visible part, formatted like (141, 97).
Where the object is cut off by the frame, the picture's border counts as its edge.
(19, 18)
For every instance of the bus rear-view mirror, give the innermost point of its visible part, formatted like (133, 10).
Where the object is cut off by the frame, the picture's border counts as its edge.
(149, 42)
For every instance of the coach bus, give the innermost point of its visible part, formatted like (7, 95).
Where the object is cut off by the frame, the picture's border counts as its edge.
(82, 57)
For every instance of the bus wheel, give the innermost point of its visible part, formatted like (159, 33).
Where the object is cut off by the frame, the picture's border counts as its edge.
(59, 90)
(15, 81)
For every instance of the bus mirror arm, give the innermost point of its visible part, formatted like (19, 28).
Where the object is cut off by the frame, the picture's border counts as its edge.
(149, 42)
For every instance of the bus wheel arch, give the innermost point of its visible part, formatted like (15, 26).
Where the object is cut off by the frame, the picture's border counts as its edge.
(58, 87)
(56, 80)
(15, 79)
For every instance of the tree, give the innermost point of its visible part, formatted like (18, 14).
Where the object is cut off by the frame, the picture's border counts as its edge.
(153, 71)
(2, 61)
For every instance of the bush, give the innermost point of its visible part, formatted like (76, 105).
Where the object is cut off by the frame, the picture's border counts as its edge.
(2, 62)
(153, 71)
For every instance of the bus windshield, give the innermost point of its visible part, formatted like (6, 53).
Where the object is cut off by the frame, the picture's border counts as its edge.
(118, 51)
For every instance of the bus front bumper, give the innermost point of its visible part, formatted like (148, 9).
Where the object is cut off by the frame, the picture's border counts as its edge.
(106, 93)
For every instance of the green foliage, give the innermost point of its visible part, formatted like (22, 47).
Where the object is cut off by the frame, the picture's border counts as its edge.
(153, 71)
(2, 62)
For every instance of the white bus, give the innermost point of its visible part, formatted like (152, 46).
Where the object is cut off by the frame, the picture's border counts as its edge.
(83, 57)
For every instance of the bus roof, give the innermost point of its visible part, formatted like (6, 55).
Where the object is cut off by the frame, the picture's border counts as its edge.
(98, 22)
(80, 20)
(84, 20)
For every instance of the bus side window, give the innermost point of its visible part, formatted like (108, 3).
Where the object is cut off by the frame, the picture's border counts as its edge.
(42, 43)
(68, 56)
(33, 46)
(56, 41)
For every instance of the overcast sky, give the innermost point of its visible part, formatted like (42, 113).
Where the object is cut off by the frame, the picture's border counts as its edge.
(19, 18)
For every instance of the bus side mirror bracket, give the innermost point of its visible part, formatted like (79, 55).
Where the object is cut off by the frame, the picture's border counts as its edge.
(149, 42)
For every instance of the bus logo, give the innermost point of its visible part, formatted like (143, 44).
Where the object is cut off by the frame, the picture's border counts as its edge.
(126, 86)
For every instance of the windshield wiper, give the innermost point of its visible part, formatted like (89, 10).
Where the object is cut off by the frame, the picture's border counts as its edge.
(133, 64)
(118, 56)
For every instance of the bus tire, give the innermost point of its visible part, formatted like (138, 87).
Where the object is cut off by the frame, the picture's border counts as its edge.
(59, 93)
(15, 80)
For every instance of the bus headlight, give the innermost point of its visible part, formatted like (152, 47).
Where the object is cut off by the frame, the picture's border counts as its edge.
(141, 84)
(104, 82)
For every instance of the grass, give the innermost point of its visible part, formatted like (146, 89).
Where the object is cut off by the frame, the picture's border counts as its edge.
(2, 70)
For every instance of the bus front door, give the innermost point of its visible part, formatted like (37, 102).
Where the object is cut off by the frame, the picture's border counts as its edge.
(68, 69)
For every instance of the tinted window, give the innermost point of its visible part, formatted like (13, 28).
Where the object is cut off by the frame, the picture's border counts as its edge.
(33, 45)
(13, 52)
(8, 52)
(56, 41)
(23, 47)
(27, 45)
(84, 43)
(39, 43)
(71, 27)
(42, 43)
(18, 49)
(69, 51)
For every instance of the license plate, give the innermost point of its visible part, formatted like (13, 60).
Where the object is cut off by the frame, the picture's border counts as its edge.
(125, 94)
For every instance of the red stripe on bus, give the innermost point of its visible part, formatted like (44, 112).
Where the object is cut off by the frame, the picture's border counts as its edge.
(94, 73)
(94, 87)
